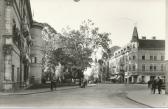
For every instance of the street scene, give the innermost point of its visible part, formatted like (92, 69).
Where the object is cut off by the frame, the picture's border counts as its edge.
(101, 95)
(84, 53)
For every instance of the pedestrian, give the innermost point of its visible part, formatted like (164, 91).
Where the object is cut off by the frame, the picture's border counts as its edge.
(51, 84)
(53, 81)
(84, 82)
(159, 84)
(154, 85)
(149, 84)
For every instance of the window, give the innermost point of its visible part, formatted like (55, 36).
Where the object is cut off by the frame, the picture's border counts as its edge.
(129, 67)
(126, 68)
(151, 67)
(154, 68)
(18, 74)
(13, 72)
(133, 57)
(143, 67)
(133, 67)
(151, 58)
(162, 58)
(155, 58)
(34, 59)
(162, 67)
(143, 57)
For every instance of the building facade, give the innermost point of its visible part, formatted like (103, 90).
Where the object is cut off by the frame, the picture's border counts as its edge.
(140, 60)
(37, 53)
(15, 42)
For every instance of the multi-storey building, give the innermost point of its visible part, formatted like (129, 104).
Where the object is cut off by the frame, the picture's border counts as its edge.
(15, 41)
(140, 60)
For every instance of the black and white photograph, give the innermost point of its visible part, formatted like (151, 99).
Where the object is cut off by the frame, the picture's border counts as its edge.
(83, 54)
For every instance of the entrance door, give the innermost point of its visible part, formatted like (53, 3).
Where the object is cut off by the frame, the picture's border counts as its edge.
(143, 78)
(135, 79)
(130, 79)
(13, 72)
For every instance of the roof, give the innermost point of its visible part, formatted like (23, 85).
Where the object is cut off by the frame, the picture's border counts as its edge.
(151, 44)
(37, 24)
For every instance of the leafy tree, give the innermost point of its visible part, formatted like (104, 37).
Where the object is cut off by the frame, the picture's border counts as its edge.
(81, 43)
(76, 45)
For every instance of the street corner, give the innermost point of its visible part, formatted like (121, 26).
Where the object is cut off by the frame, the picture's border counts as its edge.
(147, 98)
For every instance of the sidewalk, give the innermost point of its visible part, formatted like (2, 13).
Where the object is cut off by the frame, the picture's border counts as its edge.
(44, 90)
(145, 97)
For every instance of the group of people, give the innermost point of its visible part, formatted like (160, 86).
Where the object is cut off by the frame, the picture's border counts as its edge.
(155, 84)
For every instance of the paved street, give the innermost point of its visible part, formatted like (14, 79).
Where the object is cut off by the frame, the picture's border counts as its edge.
(101, 95)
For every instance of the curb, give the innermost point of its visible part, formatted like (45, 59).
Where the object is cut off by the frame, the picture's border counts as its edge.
(138, 102)
(31, 93)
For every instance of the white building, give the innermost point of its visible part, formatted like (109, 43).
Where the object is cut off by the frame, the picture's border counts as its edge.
(140, 60)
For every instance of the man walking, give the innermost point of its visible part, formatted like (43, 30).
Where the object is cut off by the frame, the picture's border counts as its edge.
(154, 84)
(159, 84)
(52, 83)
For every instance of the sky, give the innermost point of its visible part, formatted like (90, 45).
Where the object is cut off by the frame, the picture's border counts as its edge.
(117, 17)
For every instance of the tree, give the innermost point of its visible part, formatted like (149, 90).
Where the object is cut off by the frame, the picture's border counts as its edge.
(80, 43)
(76, 45)
(51, 39)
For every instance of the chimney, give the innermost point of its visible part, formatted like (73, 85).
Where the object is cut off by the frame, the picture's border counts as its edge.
(144, 37)
(154, 37)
